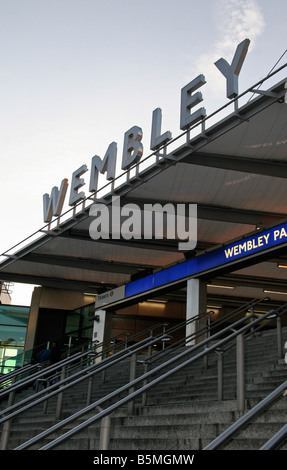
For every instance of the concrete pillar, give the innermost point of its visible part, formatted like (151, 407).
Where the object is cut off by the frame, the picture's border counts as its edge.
(33, 320)
(196, 301)
(102, 328)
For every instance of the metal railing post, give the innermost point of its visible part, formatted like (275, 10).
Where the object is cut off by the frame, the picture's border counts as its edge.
(132, 378)
(144, 395)
(208, 329)
(205, 359)
(253, 316)
(219, 375)
(279, 337)
(45, 405)
(60, 396)
(104, 374)
(163, 331)
(240, 372)
(90, 388)
(7, 425)
(146, 369)
(105, 433)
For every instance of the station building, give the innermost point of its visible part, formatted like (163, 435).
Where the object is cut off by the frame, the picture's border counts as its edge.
(231, 167)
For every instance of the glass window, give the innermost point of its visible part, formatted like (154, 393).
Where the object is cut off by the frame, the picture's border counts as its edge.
(13, 328)
(79, 324)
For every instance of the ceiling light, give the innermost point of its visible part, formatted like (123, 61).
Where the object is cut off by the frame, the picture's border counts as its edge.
(220, 287)
(274, 292)
(280, 265)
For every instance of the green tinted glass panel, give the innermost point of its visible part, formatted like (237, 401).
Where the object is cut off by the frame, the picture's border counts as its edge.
(13, 327)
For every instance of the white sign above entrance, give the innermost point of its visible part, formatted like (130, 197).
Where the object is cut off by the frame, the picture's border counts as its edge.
(111, 296)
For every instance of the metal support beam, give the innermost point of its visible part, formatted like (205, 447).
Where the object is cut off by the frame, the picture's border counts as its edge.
(84, 263)
(220, 213)
(243, 164)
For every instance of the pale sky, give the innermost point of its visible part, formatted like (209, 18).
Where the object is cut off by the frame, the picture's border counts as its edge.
(77, 74)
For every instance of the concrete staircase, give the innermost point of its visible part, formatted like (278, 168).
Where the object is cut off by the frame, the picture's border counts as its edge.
(182, 412)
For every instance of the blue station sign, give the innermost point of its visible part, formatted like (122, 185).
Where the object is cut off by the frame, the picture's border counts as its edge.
(219, 257)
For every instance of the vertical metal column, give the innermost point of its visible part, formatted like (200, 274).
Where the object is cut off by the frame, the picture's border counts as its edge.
(240, 372)
(105, 433)
(163, 331)
(132, 377)
(90, 389)
(146, 369)
(219, 375)
(60, 396)
(279, 338)
(7, 424)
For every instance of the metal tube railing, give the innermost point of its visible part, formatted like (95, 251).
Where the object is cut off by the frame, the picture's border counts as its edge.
(78, 377)
(47, 393)
(47, 371)
(244, 420)
(276, 440)
(172, 330)
(40, 374)
(31, 352)
(67, 352)
(146, 386)
(17, 374)
(53, 390)
(75, 356)
(196, 334)
(206, 330)
(222, 351)
(85, 377)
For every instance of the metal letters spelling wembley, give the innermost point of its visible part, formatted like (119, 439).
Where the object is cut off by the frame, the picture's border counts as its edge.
(133, 147)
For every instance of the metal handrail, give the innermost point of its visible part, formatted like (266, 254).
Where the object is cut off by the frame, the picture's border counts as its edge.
(15, 374)
(66, 353)
(244, 420)
(146, 386)
(71, 350)
(73, 358)
(65, 361)
(276, 440)
(64, 384)
(58, 388)
(49, 370)
(205, 330)
(42, 346)
(270, 317)
(88, 372)
(42, 373)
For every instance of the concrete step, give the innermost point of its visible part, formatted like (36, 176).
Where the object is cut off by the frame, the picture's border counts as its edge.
(169, 425)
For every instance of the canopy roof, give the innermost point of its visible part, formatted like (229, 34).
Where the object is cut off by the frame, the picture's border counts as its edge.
(234, 171)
